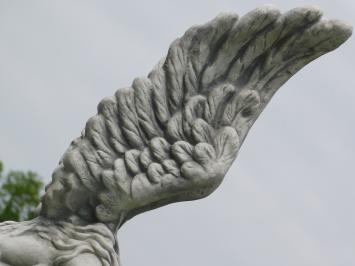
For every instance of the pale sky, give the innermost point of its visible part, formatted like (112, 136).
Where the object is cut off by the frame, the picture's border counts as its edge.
(289, 197)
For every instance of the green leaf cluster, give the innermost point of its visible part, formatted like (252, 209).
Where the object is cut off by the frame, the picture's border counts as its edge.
(19, 194)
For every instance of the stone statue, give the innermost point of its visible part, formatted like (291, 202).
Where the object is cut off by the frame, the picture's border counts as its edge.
(169, 137)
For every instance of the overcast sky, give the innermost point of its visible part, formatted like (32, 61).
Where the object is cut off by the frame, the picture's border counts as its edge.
(289, 197)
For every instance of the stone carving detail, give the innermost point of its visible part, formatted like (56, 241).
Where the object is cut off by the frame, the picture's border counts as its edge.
(169, 137)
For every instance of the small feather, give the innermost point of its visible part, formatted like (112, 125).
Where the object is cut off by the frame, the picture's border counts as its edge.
(227, 145)
(182, 151)
(159, 97)
(218, 96)
(193, 171)
(190, 81)
(192, 110)
(91, 157)
(174, 128)
(155, 172)
(204, 153)
(131, 160)
(175, 69)
(122, 178)
(108, 108)
(143, 93)
(244, 100)
(171, 167)
(128, 117)
(250, 108)
(202, 131)
(145, 158)
(95, 130)
(74, 161)
(159, 148)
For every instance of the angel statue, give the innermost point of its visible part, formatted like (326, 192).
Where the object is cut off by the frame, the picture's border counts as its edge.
(169, 137)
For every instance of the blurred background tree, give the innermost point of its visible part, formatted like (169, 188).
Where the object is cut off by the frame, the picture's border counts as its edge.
(19, 194)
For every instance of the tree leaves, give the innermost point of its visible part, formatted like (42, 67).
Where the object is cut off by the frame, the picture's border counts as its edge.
(19, 195)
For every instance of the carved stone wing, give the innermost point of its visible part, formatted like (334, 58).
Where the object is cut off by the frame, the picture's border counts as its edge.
(173, 135)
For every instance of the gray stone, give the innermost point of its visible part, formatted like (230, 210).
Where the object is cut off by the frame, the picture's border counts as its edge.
(169, 137)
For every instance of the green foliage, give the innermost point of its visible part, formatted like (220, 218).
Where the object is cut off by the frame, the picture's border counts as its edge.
(19, 195)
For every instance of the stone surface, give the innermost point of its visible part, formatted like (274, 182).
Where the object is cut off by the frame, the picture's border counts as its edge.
(169, 137)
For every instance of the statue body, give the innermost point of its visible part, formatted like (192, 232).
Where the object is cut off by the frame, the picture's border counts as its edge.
(169, 137)
(44, 242)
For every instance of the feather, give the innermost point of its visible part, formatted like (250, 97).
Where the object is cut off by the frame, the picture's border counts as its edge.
(173, 135)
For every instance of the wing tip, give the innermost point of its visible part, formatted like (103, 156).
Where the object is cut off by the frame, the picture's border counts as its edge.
(312, 13)
(344, 28)
(339, 31)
